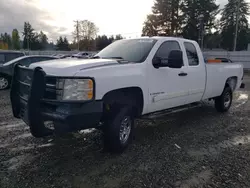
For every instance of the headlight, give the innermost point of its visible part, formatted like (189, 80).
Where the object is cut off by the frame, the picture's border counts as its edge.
(75, 89)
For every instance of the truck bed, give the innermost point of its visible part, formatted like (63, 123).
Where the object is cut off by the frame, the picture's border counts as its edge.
(217, 75)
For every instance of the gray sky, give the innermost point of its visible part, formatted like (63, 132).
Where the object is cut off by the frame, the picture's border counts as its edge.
(55, 17)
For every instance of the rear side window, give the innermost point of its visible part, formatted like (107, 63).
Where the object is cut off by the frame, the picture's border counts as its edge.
(192, 55)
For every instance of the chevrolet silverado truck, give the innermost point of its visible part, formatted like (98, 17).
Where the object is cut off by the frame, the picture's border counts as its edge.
(129, 79)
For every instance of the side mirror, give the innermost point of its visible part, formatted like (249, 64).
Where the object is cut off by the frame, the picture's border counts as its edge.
(175, 59)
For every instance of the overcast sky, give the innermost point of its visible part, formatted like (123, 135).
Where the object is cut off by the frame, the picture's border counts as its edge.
(55, 17)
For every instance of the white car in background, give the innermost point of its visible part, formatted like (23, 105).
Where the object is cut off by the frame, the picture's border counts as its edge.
(82, 55)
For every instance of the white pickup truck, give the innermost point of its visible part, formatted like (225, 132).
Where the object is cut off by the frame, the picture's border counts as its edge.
(128, 79)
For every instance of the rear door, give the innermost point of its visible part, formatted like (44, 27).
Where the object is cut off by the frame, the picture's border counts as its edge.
(168, 87)
(196, 71)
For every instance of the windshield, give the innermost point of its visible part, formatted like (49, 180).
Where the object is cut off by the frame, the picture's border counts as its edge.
(132, 50)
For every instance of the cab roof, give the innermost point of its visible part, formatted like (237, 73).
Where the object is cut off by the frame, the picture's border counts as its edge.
(163, 38)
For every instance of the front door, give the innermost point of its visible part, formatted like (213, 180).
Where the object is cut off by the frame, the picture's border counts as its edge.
(168, 87)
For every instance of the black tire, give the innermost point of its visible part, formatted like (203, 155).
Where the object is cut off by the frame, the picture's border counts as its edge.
(4, 82)
(223, 102)
(39, 133)
(114, 140)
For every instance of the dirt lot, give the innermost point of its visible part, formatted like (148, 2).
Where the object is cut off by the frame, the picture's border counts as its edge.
(196, 148)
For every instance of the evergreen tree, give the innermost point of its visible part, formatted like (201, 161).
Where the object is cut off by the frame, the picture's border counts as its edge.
(165, 18)
(15, 40)
(192, 11)
(62, 44)
(29, 36)
(102, 42)
(59, 44)
(228, 23)
(66, 44)
(212, 40)
(150, 26)
(43, 40)
(118, 37)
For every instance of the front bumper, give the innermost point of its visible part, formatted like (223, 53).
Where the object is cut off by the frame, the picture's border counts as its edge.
(31, 102)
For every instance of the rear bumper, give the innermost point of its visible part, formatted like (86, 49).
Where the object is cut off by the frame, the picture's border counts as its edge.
(34, 109)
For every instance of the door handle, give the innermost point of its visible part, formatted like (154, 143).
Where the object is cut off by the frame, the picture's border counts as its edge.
(182, 74)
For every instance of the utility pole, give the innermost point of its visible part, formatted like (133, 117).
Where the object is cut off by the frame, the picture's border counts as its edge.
(28, 43)
(77, 33)
(237, 25)
(201, 31)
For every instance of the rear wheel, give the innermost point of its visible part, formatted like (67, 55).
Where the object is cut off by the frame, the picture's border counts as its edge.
(223, 102)
(4, 82)
(118, 129)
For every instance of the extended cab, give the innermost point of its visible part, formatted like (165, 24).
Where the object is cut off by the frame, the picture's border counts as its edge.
(128, 79)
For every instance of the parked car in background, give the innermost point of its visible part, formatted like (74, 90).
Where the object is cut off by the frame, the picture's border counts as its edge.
(6, 55)
(92, 54)
(83, 55)
(6, 69)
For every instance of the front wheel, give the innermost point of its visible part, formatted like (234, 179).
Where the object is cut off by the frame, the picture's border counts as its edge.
(223, 102)
(4, 82)
(118, 130)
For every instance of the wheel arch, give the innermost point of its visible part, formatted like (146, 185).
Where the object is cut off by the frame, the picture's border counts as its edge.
(6, 75)
(231, 82)
(126, 96)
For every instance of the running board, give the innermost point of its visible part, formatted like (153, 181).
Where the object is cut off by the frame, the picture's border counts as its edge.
(159, 114)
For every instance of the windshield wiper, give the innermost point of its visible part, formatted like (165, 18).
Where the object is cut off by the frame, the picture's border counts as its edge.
(113, 58)
(119, 59)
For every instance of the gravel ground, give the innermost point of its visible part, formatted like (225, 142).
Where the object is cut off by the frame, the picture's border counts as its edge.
(195, 148)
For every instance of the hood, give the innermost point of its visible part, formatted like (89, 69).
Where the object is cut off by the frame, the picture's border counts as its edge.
(69, 67)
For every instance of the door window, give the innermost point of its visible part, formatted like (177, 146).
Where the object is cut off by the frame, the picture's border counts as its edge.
(192, 55)
(166, 48)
